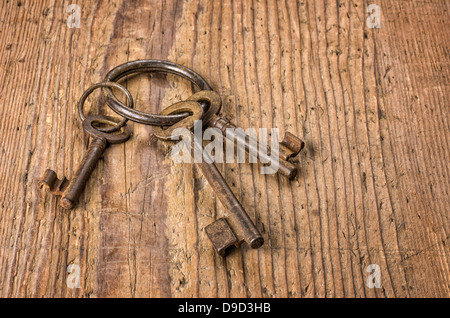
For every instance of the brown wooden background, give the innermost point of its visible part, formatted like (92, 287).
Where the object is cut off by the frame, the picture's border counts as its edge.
(371, 104)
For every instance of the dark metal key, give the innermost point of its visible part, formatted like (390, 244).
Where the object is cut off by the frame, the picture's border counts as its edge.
(237, 227)
(71, 190)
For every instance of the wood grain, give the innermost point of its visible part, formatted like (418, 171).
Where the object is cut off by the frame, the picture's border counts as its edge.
(371, 105)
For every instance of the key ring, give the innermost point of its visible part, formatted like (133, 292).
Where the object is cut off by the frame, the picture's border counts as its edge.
(143, 66)
(88, 92)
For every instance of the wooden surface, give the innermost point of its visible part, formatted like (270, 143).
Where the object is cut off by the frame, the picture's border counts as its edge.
(371, 104)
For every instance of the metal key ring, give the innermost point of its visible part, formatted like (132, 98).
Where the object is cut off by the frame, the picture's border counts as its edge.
(88, 92)
(143, 66)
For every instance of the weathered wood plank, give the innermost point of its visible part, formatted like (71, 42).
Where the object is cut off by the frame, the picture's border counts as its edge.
(371, 104)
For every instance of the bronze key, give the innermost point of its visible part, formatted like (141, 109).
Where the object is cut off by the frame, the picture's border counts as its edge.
(71, 190)
(237, 227)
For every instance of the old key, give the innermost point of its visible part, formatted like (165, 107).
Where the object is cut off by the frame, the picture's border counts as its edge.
(237, 226)
(71, 190)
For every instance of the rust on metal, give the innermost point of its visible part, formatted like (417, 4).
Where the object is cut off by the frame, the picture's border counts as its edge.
(71, 190)
(222, 236)
(116, 126)
(290, 146)
(116, 137)
(182, 107)
(81, 176)
(148, 66)
(241, 226)
(52, 183)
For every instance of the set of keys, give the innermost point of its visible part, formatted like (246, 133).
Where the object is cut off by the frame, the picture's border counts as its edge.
(235, 227)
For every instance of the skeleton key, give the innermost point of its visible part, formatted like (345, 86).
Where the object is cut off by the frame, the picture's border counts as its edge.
(237, 226)
(71, 190)
(289, 147)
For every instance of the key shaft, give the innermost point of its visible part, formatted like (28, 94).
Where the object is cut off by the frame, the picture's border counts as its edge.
(238, 219)
(84, 171)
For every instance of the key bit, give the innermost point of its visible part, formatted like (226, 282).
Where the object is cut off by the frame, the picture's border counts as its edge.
(222, 236)
(52, 183)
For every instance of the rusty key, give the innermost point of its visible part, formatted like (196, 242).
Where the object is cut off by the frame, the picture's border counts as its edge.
(290, 146)
(71, 190)
(237, 227)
